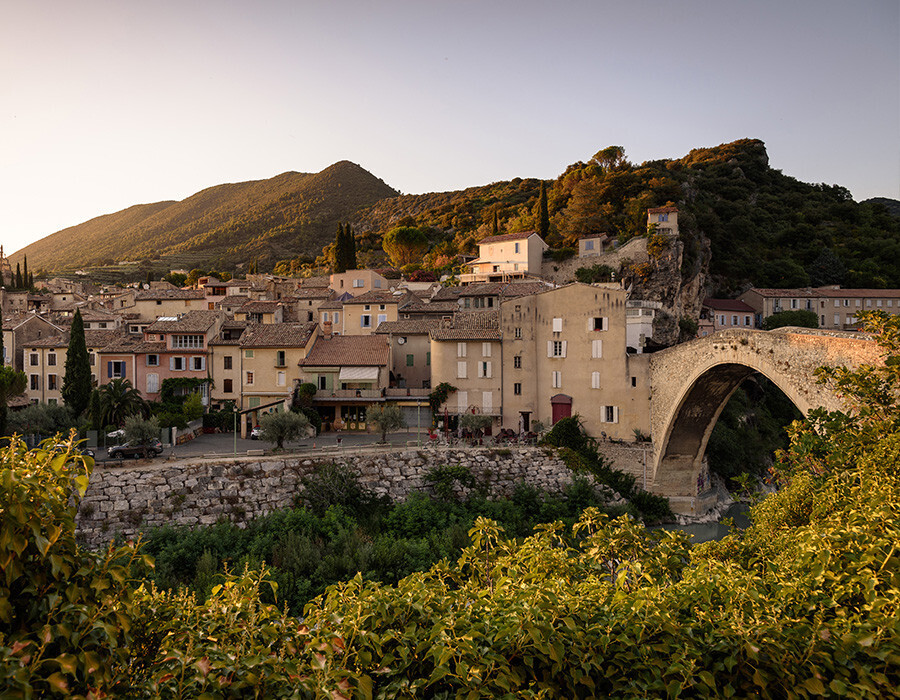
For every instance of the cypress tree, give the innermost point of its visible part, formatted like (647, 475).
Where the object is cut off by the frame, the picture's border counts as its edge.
(19, 284)
(340, 255)
(351, 249)
(25, 271)
(30, 280)
(541, 215)
(76, 386)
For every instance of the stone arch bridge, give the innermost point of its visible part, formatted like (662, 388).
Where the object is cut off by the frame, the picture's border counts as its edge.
(691, 383)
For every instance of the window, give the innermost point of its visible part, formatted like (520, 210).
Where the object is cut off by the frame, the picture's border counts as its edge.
(663, 217)
(198, 364)
(33, 359)
(358, 283)
(248, 354)
(599, 323)
(410, 359)
(280, 378)
(51, 382)
(335, 318)
(92, 359)
(227, 386)
(367, 307)
(115, 370)
(557, 325)
(734, 320)
(485, 349)
(837, 319)
(878, 303)
(517, 389)
(822, 320)
(381, 307)
(518, 333)
(858, 303)
(795, 303)
(461, 371)
(279, 358)
(517, 361)
(634, 381)
(596, 349)
(595, 380)
(152, 383)
(176, 364)
(556, 348)
(557, 380)
(588, 245)
(35, 382)
(837, 302)
(323, 382)
(518, 308)
(186, 341)
(365, 321)
(846, 302)
(462, 400)
(484, 370)
(249, 378)
(51, 359)
(460, 349)
(152, 360)
(516, 247)
(609, 414)
(253, 402)
(226, 362)
(746, 320)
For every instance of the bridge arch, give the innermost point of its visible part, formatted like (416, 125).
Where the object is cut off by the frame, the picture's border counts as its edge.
(692, 382)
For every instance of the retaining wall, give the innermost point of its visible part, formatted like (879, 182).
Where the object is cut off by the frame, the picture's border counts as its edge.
(124, 500)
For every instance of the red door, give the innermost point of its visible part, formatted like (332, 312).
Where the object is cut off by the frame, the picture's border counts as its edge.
(562, 407)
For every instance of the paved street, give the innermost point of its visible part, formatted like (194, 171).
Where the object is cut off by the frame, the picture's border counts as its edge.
(225, 444)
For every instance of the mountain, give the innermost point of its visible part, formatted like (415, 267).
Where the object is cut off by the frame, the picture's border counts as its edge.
(742, 222)
(290, 214)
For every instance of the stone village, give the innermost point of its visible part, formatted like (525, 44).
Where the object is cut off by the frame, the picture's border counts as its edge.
(515, 347)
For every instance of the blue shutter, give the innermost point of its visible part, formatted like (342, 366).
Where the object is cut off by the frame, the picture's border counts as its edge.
(124, 365)
(109, 370)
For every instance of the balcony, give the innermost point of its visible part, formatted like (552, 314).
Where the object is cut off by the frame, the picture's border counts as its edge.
(348, 394)
(418, 393)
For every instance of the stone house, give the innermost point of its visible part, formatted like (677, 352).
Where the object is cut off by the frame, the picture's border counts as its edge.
(45, 363)
(836, 308)
(410, 344)
(565, 353)
(501, 258)
(364, 313)
(351, 373)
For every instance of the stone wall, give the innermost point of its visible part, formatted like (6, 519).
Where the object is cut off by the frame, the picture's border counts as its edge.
(126, 500)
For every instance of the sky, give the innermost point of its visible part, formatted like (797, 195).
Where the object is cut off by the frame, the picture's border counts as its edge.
(109, 103)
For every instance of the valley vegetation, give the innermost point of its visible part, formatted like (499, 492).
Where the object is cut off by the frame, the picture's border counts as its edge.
(803, 603)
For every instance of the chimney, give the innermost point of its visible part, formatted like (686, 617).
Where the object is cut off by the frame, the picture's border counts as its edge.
(326, 329)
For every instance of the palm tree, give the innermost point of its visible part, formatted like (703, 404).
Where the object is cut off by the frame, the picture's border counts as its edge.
(119, 400)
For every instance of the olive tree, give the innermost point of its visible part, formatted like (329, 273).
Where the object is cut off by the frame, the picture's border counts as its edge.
(387, 418)
(283, 426)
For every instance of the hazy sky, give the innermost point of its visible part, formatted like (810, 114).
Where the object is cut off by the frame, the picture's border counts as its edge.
(105, 104)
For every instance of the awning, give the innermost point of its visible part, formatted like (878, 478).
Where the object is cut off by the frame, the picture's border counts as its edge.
(358, 374)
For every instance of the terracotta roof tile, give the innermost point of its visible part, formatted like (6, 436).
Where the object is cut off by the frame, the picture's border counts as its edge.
(191, 322)
(727, 305)
(348, 350)
(408, 326)
(508, 237)
(272, 335)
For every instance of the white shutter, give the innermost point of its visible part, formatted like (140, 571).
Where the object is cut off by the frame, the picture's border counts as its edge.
(487, 401)
(462, 400)
(460, 349)
(557, 325)
(172, 364)
(460, 370)
(596, 349)
(489, 373)
(595, 380)
(549, 348)
(480, 370)
(152, 383)
(565, 344)
(615, 414)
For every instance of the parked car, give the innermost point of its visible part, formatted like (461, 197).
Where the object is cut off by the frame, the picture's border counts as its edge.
(154, 448)
(256, 433)
(116, 434)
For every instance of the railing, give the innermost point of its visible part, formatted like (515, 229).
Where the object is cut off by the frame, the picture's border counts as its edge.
(348, 394)
(402, 393)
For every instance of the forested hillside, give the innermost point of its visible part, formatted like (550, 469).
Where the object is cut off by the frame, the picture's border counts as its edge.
(230, 224)
(741, 220)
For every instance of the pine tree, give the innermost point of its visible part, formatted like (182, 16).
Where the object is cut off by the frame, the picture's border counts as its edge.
(495, 228)
(19, 284)
(351, 249)
(76, 386)
(541, 215)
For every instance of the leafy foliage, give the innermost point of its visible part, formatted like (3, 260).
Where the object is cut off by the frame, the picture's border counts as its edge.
(801, 318)
(386, 418)
(119, 400)
(283, 426)
(12, 383)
